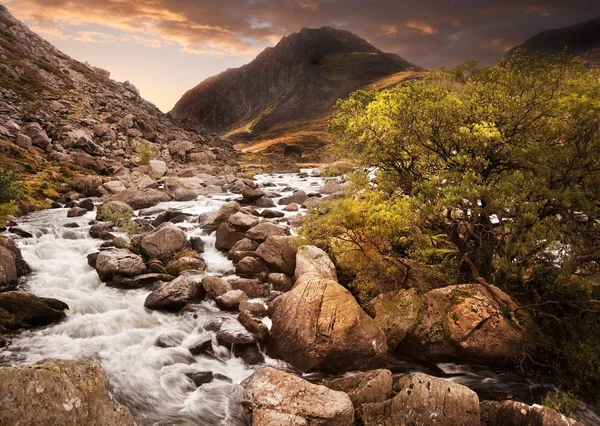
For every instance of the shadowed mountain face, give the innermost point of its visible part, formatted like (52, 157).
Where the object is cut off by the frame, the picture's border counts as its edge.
(290, 86)
(582, 40)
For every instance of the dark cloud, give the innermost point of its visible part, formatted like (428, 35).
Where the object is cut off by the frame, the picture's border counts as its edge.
(430, 33)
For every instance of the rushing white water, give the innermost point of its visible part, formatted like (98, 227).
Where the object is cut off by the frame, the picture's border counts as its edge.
(112, 326)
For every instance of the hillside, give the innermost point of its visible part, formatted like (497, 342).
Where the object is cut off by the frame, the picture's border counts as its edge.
(60, 117)
(285, 95)
(582, 40)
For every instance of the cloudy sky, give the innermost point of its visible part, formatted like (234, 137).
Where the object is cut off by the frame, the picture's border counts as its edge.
(165, 47)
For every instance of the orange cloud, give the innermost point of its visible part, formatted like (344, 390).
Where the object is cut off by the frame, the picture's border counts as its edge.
(420, 26)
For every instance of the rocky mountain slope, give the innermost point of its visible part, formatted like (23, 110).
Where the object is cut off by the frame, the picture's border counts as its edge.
(287, 92)
(60, 117)
(582, 40)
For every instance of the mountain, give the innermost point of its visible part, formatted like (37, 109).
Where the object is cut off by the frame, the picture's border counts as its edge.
(287, 92)
(60, 117)
(582, 40)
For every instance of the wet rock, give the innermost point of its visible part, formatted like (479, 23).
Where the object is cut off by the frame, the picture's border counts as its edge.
(252, 194)
(278, 398)
(113, 211)
(213, 324)
(279, 253)
(171, 340)
(249, 266)
(164, 242)
(237, 256)
(255, 308)
(76, 212)
(244, 244)
(254, 326)
(201, 377)
(513, 413)
(331, 187)
(250, 354)
(242, 221)
(201, 346)
(197, 244)
(251, 287)
(425, 400)
(458, 323)
(293, 207)
(319, 326)
(174, 295)
(227, 236)
(264, 230)
(19, 309)
(211, 221)
(92, 258)
(230, 335)
(140, 281)
(264, 203)
(280, 282)
(231, 300)
(8, 268)
(100, 231)
(298, 197)
(141, 199)
(59, 392)
(86, 204)
(20, 232)
(21, 266)
(215, 287)
(170, 215)
(311, 259)
(118, 262)
(364, 388)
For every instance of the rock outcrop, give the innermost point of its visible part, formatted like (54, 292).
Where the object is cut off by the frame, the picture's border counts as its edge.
(19, 309)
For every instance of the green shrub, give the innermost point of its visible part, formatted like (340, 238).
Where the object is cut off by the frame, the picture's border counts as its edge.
(145, 153)
(10, 189)
(563, 402)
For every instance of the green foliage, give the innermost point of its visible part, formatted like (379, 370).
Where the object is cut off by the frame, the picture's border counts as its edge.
(145, 153)
(563, 402)
(9, 191)
(122, 217)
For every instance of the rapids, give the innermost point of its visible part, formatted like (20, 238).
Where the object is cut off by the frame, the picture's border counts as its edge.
(112, 327)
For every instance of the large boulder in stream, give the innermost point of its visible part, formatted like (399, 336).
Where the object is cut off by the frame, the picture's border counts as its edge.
(21, 266)
(59, 392)
(319, 326)
(141, 199)
(454, 323)
(174, 295)
(164, 242)
(211, 220)
(8, 268)
(364, 388)
(311, 259)
(278, 398)
(424, 400)
(118, 262)
(227, 237)
(279, 253)
(19, 309)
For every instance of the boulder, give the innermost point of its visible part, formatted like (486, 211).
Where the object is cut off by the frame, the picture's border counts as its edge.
(396, 313)
(319, 326)
(211, 221)
(278, 398)
(232, 333)
(279, 253)
(331, 187)
(87, 184)
(364, 388)
(8, 268)
(425, 400)
(215, 287)
(227, 236)
(252, 194)
(252, 287)
(272, 214)
(141, 199)
(255, 308)
(280, 282)
(254, 326)
(458, 323)
(297, 197)
(311, 259)
(164, 242)
(244, 244)
(231, 300)
(114, 187)
(139, 281)
(293, 207)
(264, 230)
(157, 169)
(113, 211)
(19, 309)
(249, 266)
(263, 203)
(173, 296)
(22, 267)
(185, 263)
(38, 135)
(242, 221)
(514, 413)
(76, 212)
(59, 392)
(119, 262)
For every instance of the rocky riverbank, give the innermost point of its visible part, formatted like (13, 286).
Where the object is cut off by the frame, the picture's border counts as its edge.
(232, 306)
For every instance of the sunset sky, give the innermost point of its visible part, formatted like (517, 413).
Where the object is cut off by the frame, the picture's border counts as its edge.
(166, 47)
